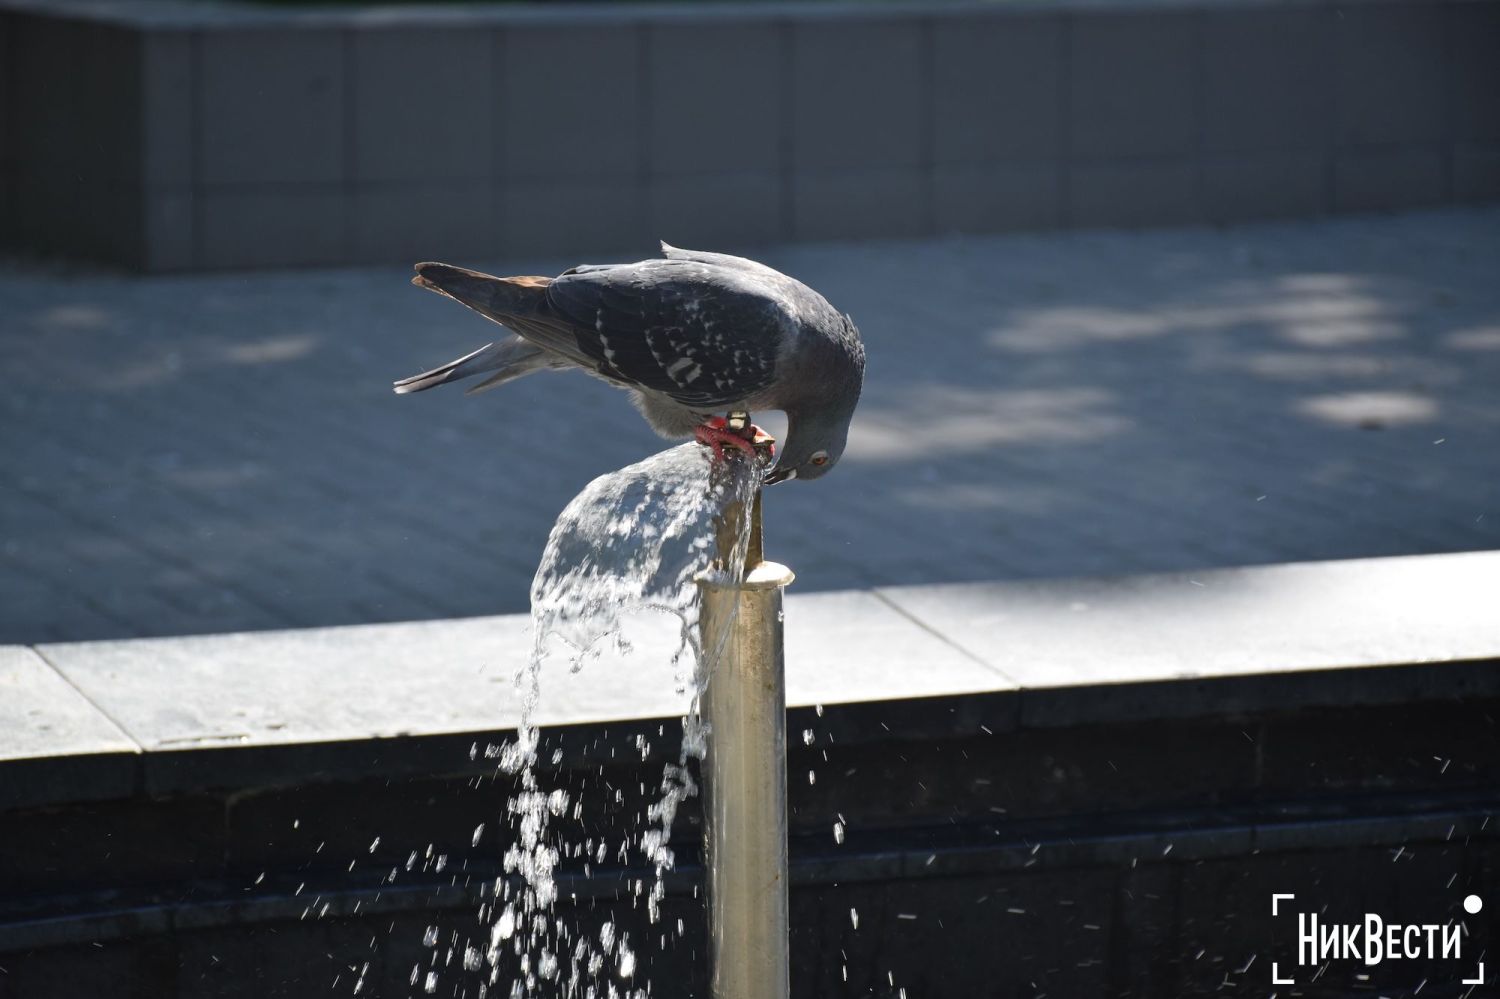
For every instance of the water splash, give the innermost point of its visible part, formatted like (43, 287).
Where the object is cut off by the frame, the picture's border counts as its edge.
(637, 540)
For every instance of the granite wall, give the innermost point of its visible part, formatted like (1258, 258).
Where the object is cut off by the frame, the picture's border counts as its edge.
(177, 136)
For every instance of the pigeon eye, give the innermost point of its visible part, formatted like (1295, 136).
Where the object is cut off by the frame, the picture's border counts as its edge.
(819, 458)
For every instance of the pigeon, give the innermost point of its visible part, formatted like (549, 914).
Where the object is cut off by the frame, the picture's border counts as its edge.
(690, 335)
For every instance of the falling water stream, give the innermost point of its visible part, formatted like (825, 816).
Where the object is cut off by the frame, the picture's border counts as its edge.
(633, 543)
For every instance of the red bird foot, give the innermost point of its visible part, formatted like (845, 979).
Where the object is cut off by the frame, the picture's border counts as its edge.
(717, 435)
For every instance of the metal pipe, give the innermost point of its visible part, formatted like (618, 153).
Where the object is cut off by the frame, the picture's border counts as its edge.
(744, 706)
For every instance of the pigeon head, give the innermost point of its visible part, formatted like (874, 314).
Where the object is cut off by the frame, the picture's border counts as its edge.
(814, 443)
(817, 431)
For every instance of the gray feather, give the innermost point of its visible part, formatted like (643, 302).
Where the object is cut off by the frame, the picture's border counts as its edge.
(511, 358)
(690, 335)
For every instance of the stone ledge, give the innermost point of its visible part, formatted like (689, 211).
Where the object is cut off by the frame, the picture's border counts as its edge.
(195, 15)
(101, 720)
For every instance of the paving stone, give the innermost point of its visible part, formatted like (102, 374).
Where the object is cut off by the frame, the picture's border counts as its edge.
(221, 453)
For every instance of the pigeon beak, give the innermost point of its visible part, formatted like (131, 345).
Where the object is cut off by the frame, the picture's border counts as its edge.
(776, 475)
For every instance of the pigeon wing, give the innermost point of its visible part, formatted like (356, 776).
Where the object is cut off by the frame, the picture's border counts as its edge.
(703, 336)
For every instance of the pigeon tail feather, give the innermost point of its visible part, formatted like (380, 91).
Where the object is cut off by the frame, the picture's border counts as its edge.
(496, 298)
(510, 359)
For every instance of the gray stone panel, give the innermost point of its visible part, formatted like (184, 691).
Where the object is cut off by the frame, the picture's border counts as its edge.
(573, 217)
(1474, 87)
(1268, 185)
(1387, 179)
(167, 224)
(308, 686)
(1476, 172)
(272, 227)
(861, 204)
(51, 737)
(76, 146)
(996, 197)
(570, 103)
(1133, 193)
(858, 97)
(7, 145)
(1390, 82)
(1267, 79)
(42, 715)
(715, 98)
(997, 88)
(1132, 86)
(405, 224)
(841, 643)
(1369, 612)
(166, 108)
(423, 104)
(718, 210)
(271, 107)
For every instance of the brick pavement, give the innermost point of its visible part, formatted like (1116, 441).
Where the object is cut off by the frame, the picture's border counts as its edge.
(217, 453)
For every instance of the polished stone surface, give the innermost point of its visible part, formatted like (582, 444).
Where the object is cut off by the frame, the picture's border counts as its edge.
(41, 714)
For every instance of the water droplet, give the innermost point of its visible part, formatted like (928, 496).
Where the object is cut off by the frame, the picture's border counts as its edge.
(838, 832)
(504, 927)
(854, 918)
(808, 737)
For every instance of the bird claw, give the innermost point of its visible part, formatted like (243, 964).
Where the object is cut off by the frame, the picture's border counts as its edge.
(715, 434)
